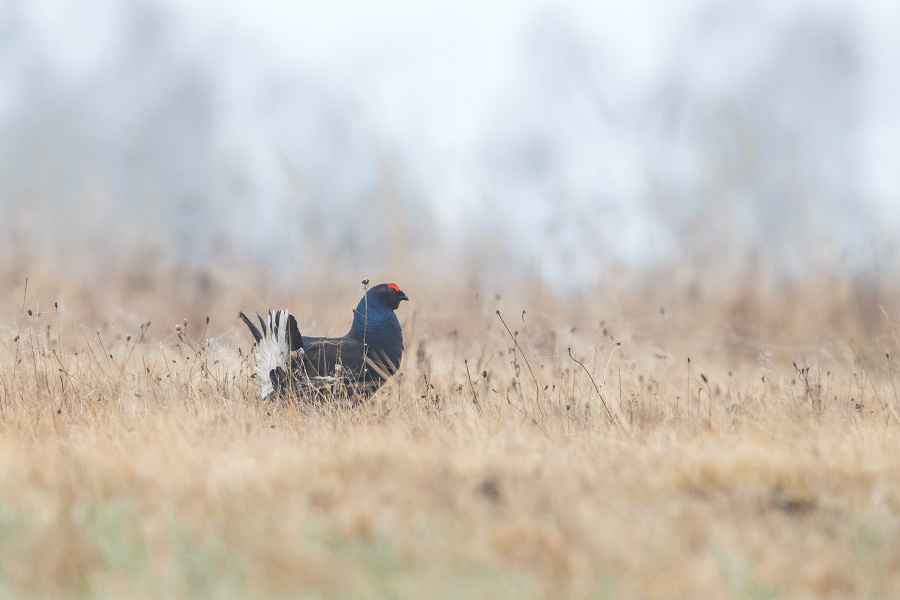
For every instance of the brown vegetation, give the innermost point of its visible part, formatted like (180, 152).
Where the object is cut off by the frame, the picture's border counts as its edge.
(694, 438)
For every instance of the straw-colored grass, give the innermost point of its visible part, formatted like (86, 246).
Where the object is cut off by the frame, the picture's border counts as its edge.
(571, 452)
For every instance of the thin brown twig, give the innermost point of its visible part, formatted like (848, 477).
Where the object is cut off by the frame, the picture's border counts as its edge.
(471, 385)
(594, 383)
(537, 386)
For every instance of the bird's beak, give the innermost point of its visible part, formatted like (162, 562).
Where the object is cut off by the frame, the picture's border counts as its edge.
(403, 296)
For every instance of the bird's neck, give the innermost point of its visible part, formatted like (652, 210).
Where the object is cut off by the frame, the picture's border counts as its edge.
(378, 329)
(376, 323)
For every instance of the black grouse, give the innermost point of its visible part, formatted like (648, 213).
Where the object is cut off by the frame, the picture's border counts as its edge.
(357, 363)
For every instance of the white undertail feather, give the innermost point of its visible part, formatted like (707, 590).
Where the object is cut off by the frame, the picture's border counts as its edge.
(272, 351)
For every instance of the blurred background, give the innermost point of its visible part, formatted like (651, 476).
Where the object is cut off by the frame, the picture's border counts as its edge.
(552, 145)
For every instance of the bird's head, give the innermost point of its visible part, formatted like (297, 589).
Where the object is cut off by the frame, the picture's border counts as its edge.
(375, 312)
(386, 294)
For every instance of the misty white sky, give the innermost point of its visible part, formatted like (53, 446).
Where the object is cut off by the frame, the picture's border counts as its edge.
(432, 74)
(584, 128)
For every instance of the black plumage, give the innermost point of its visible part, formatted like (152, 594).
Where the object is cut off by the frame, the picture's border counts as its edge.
(357, 363)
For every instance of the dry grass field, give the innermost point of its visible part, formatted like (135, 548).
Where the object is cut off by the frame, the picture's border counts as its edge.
(690, 438)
